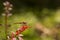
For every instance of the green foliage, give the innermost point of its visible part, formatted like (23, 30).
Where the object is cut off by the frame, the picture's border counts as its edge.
(48, 19)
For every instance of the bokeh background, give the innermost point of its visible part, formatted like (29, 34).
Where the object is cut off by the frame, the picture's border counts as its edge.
(46, 12)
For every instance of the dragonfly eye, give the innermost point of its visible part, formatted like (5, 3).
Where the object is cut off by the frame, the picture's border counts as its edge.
(0, 24)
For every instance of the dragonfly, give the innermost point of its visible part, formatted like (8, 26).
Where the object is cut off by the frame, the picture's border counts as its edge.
(19, 31)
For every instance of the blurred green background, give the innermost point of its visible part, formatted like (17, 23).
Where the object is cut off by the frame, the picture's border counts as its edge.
(45, 11)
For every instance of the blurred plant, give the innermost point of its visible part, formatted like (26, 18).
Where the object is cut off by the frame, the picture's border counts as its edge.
(18, 34)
